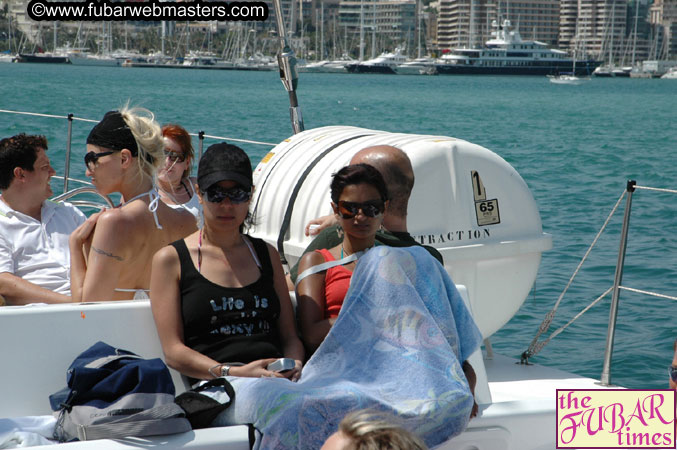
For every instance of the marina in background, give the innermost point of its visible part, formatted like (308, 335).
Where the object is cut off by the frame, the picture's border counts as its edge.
(413, 37)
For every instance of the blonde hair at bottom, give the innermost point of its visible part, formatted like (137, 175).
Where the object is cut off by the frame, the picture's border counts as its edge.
(374, 430)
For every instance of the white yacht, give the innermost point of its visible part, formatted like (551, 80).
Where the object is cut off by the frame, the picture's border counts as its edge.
(670, 74)
(384, 63)
(508, 54)
(88, 59)
(418, 66)
(568, 79)
(7, 57)
(327, 66)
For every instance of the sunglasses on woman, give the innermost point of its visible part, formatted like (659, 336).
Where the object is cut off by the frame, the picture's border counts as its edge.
(175, 156)
(91, 158)
(372, 208)
(217, 194)
(673, 373)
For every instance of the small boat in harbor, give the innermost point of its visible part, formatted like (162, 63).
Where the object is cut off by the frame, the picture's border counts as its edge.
(327, 66)
(508, 54)
(385, 63)
(418, 66)
(567, 78)
(670, 74)
(89, 59)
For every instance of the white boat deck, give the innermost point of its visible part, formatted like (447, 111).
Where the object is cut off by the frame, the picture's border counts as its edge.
(517, 405)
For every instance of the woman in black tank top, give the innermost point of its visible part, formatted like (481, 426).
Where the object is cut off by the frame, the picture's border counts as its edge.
(219, 297)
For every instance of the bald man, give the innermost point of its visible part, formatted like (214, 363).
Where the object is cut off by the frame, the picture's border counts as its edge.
(398, 174)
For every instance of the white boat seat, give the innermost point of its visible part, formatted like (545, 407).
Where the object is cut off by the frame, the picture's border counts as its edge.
(39, 342)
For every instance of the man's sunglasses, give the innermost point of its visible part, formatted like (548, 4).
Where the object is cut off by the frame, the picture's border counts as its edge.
(673, 373)
(175, 156)
(217, 194)
(372, 208)
(92, 157)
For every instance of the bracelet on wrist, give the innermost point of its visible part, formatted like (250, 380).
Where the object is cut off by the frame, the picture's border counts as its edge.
(211, 371)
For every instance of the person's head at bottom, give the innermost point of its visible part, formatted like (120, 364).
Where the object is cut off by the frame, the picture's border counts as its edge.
(369, 430)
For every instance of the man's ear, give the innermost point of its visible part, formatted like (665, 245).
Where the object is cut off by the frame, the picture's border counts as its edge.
(334, 207)
(19, 173)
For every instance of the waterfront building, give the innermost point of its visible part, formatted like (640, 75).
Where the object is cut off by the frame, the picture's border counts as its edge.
(391, 21)
(663, 18)
(598, 27)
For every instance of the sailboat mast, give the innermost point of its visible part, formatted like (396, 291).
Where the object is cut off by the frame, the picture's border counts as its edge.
(611, 34)
(321, 30)
(418, 12)
(361, 30)
(634, 38)
(373, 31)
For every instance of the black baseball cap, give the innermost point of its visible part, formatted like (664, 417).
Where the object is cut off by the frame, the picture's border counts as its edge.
(224, 162)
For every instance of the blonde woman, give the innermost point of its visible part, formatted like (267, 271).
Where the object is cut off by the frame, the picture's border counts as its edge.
(112, 251)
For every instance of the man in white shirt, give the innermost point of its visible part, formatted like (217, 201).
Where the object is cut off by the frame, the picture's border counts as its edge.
(34, 232)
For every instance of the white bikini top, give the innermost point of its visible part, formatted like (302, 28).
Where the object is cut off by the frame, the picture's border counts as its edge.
(152, 206)
(192, 206)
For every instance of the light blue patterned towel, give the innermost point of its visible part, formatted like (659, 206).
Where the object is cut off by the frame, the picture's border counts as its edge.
(396, 346)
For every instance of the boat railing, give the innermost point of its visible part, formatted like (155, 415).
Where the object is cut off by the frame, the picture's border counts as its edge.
(84, 203)
(536, 345)
(201, 135)
(605, 379)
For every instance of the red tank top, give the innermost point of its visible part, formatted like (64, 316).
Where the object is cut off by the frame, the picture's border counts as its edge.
(336, 283)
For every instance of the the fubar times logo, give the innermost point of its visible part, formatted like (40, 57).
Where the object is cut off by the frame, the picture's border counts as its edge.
(616, 418)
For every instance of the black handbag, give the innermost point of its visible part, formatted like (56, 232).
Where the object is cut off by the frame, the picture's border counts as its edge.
(200, 409)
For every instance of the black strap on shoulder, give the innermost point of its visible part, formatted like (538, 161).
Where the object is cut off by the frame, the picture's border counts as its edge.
(284, 229)
(184, 257)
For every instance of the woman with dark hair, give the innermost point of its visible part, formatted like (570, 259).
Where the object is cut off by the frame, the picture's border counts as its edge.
(219, 297)
(111, 250)
(175, 185)
(359, 199)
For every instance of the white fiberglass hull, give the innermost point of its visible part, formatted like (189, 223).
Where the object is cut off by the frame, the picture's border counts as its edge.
(568, 79)
(89, 60)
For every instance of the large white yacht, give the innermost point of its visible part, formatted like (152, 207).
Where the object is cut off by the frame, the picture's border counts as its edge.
(508, 54)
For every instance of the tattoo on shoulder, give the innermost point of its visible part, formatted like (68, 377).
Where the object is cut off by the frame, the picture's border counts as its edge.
(110, 255)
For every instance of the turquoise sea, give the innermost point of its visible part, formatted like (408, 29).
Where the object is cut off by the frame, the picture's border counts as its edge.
(575, 146)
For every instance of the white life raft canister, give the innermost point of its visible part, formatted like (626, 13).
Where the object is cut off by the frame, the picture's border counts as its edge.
(467, 202)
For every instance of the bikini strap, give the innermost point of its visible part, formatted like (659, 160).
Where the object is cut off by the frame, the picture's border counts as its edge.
(154, 197)
(259, 248)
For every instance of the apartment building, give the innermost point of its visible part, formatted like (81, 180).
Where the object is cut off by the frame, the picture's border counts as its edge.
(663, 18)
(394, 20)
(596, 27)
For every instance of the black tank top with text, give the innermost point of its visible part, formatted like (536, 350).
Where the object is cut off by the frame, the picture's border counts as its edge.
(230, 324)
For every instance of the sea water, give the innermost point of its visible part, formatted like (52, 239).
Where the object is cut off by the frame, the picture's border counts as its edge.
(575, 146)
